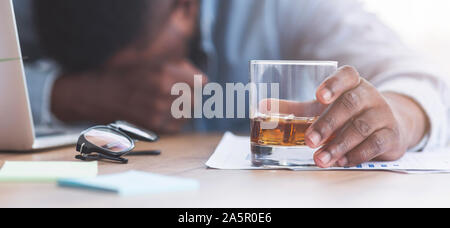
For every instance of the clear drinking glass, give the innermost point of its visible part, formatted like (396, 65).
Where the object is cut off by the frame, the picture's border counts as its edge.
(283, 106)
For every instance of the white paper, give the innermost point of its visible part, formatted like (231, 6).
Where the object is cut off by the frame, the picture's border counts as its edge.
(233, 153)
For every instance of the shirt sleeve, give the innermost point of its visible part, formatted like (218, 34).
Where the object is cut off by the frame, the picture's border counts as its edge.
(343, 30)
(41, 77)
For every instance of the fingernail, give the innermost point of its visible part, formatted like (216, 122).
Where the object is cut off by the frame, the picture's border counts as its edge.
(326, 95)
(315, 138)
(343, 162)
(324, 157)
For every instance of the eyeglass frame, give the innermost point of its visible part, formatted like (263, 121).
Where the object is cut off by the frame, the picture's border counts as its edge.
(87, 148)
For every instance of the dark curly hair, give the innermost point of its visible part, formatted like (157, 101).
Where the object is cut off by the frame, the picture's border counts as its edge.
(82, 35)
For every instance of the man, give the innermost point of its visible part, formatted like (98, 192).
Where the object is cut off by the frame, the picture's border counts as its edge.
(120, 59)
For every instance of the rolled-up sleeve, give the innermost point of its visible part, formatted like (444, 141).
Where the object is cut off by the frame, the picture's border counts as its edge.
(426, 95)
(343, 30)
(41, 77)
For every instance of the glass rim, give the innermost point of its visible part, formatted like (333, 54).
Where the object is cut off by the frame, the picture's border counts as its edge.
(294, 62)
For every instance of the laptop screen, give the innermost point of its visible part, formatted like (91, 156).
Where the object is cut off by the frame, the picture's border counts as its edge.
(29, 43)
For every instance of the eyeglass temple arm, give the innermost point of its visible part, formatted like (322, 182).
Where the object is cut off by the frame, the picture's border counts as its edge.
(121, 160)
(101, 156)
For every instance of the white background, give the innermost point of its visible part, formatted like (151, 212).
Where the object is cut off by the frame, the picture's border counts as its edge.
(423, 24)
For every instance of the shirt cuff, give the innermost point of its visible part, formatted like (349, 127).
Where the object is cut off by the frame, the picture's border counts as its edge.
(422, 92)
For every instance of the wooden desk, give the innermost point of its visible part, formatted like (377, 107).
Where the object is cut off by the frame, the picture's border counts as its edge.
(184, 156)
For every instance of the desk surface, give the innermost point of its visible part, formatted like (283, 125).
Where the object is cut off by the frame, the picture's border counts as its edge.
(184, 156)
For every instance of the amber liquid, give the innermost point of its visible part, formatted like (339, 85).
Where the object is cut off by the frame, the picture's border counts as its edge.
(289, 131)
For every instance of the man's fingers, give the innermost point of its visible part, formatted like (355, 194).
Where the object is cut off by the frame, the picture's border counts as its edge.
(349, 105)
(159, 122)
(162, 79)
(182, 73)
(354, 133)
(345, 79)
(374, 146)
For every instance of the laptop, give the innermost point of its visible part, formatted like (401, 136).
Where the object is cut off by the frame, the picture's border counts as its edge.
(17, 132)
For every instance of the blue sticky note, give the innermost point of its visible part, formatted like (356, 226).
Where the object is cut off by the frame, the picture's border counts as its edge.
(133, 183)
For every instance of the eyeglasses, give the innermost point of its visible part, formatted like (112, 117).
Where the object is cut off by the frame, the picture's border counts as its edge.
(111, 142)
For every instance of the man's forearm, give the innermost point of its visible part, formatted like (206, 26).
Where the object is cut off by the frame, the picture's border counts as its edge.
(63, 99)
(73, 98)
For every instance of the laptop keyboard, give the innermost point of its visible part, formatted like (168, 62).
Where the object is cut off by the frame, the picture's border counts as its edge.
(49, 132)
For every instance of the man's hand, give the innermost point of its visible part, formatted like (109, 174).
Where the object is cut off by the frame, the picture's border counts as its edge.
(140, 95)
(362, 123)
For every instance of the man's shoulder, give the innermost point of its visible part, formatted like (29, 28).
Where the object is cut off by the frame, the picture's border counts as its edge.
(280, 10)
(256, 5)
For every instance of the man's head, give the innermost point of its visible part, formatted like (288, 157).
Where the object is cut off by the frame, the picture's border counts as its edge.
(84, 35)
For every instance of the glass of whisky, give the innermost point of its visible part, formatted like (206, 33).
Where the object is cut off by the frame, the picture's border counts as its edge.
(282, 108)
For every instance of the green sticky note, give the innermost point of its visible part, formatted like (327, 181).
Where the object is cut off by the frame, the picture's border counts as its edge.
(46, 171)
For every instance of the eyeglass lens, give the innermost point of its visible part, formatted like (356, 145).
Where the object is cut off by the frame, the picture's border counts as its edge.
(108, 139)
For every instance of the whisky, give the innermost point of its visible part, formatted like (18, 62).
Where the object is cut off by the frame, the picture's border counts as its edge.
(280, 140)
(288, 131)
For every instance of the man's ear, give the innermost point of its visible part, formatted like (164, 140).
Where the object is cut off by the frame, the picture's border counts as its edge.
(184, 16)
(190, 7)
